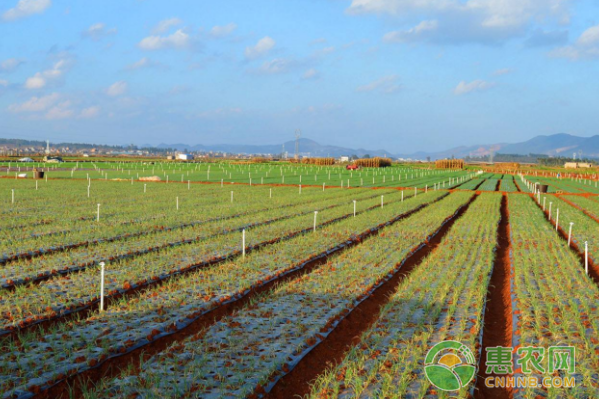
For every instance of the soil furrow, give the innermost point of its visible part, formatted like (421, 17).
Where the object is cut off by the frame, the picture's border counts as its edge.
(331, 351)
(86, 310)
(497, 324)
(113, 366)
(578, 251)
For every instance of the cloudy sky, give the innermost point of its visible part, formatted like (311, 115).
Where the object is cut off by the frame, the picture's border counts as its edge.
(403, 75)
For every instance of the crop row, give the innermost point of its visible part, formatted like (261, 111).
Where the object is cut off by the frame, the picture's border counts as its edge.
(489, 185)
(507, 184)
(43, 357)
(38, 268)
(555, 302)
(250, 350)
(584, 227)
(64, 294)
(443, 299)
(206, 207)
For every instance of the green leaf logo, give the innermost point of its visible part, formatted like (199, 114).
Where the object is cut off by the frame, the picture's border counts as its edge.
(449, 365)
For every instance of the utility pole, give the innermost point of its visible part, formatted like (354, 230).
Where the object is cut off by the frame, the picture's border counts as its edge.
(298, 134)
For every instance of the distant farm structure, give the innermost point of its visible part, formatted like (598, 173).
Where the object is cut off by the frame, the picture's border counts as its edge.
(376, 162)
(449, 164)
(319, 161)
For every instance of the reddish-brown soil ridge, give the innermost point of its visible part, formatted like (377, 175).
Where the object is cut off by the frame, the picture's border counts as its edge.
(74, 385)
(331, 351)
(87, 309)
(578, 251)
(497, 326)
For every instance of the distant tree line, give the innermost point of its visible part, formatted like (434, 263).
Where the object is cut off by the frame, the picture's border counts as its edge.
(17, 143)
(541, 159)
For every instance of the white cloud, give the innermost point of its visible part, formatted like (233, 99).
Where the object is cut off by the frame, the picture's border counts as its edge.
(117, 88)
(144, 62)
(25, 8)
(40, 79)
(476, 85)
(586, 46)
(320, 40)
(222, 31)
(220, 113)
(387, 84)
(60, 111)
(35, 82)
(9, 65)
(97, 31)
(261, 48)
(90, 112)
(139, 64)
(177, 40)
(483, 21)
(310, 74)
(504, 71)
(166, 24)
(278, 65)
(52, 107)
(419, 32)
(589, 37)
(35, 104)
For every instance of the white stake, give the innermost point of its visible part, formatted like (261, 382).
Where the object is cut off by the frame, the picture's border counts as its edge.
(177, 203)
(270, 196)
(586, 257)
(315, 214)
(102, 264)
(570, 233)
(549, 214)
(557, 219)
(144, 187)
(354, 208)
(98, 218)
(243, 243)
(402, 196)
(231, 196)
(13, 196)
(300, 188)
(381, 201)
(88, 191)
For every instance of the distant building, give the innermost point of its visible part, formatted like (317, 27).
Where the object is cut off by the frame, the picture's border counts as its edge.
(184, 157)
(53, 159)
(343, 159)
(576, 165)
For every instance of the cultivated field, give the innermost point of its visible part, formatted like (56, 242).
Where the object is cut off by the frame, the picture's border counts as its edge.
(227, 280)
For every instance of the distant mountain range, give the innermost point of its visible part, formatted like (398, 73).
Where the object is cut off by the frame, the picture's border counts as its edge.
(306, 147)
(554, 145)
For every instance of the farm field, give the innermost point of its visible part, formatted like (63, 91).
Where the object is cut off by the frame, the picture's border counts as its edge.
(274, 281)
(251, 174)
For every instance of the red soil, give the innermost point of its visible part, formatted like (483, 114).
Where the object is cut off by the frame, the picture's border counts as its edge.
(497, 326)
(331, 351)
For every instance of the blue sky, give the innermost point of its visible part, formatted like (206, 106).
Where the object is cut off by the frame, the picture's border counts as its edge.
(403, 75)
